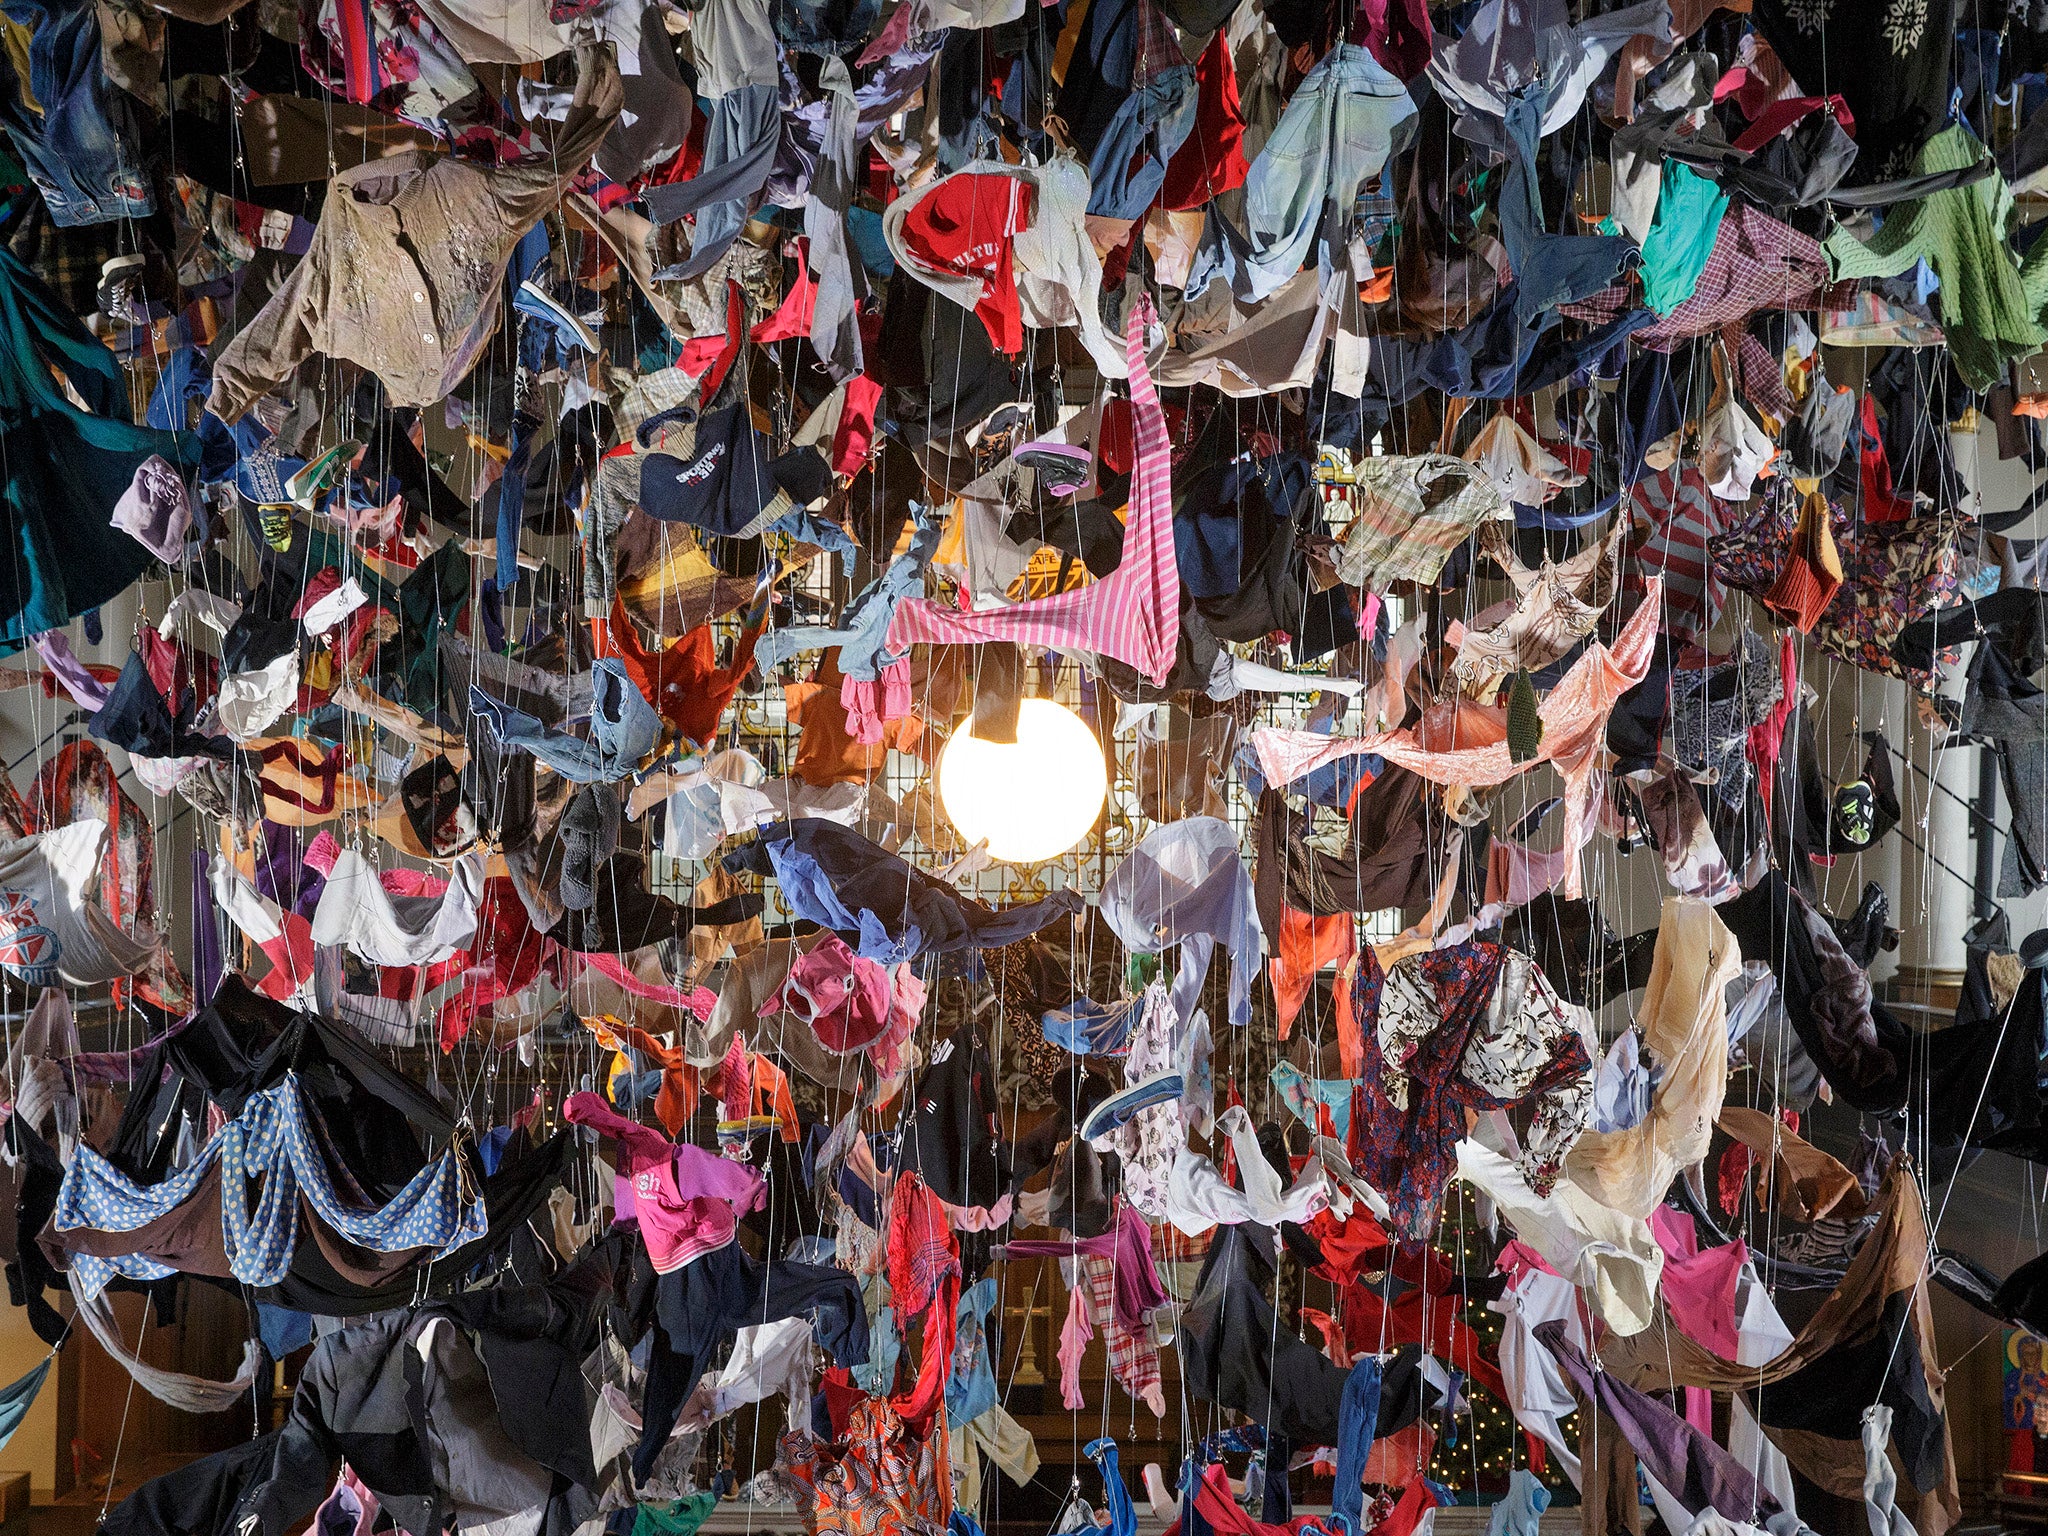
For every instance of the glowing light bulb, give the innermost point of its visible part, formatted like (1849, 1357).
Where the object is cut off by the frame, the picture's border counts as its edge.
(1033, 800)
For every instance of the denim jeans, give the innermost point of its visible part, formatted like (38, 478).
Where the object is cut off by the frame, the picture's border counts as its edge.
(965, 132)
(1335, 134)
(1123, 1519)
(1550, 270)
(1358, 1421)
(82, 152)
(1099, 73)
(829, 27)
(1164, 105)
(832, 876)
(739, 152)
(512, 500)
(864, 626)
(623, 728)
(1089, 1028)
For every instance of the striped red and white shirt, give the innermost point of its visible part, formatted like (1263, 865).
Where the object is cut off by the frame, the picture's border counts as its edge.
(1132, 614)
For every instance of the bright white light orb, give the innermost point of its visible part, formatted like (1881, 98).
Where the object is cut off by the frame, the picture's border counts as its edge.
(1034, 800)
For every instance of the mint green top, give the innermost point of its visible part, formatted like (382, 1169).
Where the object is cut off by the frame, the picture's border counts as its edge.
(1681, 237)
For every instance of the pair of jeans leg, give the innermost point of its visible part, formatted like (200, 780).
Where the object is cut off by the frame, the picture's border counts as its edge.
(512, 500)
(739, 152)
(623, 728)
(1129, 165)
(1357, 1423)
(1123, 1518)
(1550, 270)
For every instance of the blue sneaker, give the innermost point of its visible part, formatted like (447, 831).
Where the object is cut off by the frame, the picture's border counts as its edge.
(536, 303)
(1160, 1088)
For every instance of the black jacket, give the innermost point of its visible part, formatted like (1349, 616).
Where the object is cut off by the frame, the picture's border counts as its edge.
(198, 1499)
(495, 1419)
(1236, 1356)
(379, 1121)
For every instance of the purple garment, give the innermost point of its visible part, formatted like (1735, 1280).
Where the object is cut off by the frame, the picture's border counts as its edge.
(894, 82)
(155, 511)
(1129, 1247)
(117, 1068)
(86, 691)
(208, 967)
(1693, 1469)
(283, 874)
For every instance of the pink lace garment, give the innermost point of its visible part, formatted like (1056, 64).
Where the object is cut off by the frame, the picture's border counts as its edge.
(1574, 730)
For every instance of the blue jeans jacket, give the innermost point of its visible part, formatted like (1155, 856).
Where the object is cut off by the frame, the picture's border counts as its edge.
(82, 152)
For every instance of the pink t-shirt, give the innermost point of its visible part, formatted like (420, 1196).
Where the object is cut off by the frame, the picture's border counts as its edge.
(1699, 1288)
(1699, 1284)
(686, 1200)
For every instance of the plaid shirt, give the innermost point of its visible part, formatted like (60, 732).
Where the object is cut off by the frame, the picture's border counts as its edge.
(1757, 263)
(1133, 1357)
(1761, 379)
(68, 260)
(1412, 512)
(1158, 49)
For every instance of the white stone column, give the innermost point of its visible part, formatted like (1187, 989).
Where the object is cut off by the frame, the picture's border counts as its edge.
(1934, 905)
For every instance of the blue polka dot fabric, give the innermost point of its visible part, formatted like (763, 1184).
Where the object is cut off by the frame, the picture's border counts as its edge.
(273, 1140)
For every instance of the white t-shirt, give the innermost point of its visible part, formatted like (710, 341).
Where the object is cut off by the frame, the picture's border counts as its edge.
(51, 931)
(250, 703)
(356, 911)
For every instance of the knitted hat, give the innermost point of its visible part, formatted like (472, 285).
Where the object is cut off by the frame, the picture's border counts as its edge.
(844, 998)
(155, 510)
(590, 831)
(1525, 725)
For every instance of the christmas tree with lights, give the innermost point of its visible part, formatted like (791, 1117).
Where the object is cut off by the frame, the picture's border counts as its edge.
(1475, 1461)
